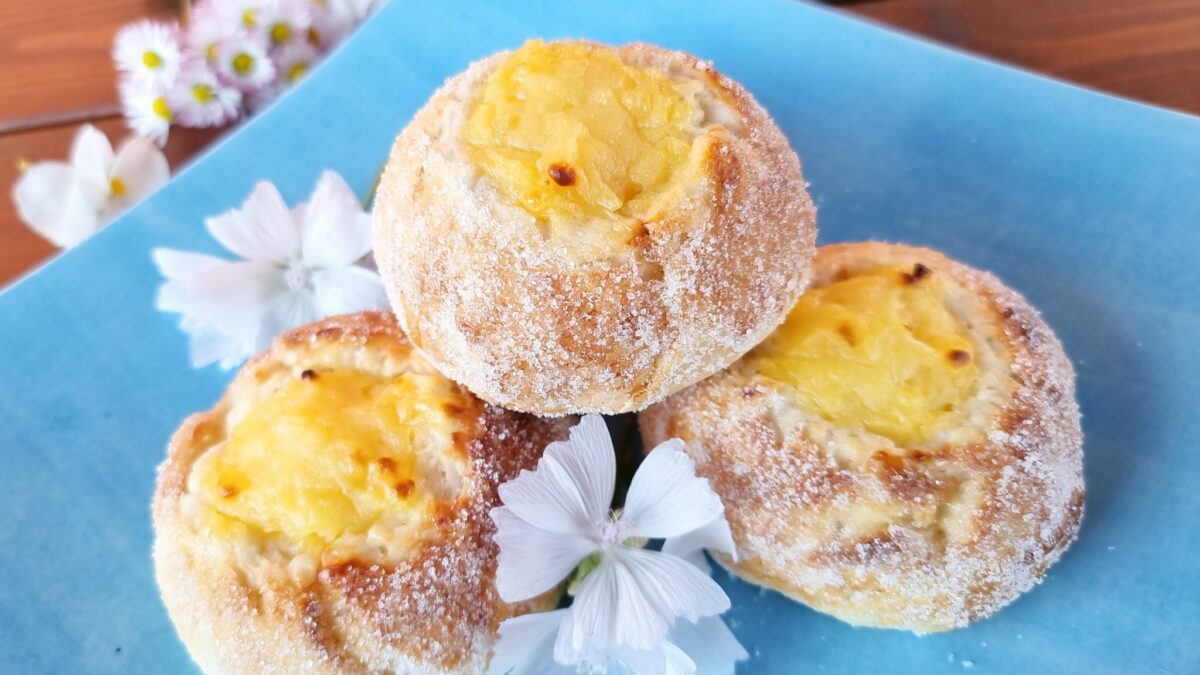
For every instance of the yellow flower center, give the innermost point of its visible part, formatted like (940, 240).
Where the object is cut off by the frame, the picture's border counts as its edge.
(117, 186)
(314, 36)
(280, 33)
(202, 93)
(243, 63)
(210, 52)
(297, 71)
(161, 108)
(248, 19)
(151, 60)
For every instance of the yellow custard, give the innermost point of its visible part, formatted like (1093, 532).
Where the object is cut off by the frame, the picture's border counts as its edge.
(572, 133)
(329, 455)
(879, 351)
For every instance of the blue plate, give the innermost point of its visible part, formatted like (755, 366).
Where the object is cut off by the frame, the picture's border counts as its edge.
(1088, 205)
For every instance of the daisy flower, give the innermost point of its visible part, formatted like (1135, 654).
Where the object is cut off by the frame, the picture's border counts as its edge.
(353, 12)
(201, 100)
(148, 51)
(329, 24)
(626, 598)
(241, 14)
(242, 61)
(297, 265)
(66, 202)
(205, 32)
(293, 61)
(284, 21)
(147, 110)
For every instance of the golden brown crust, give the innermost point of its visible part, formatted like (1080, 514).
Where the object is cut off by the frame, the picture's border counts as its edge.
(527, 324)
(239, 611)
(923, 538)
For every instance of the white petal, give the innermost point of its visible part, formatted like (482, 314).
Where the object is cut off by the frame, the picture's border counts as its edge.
(587, 656)
(288, 310)
(666, 498)
(533, 560)
(526, 645)
(263, 229)
(49, 200)
(92, 158)
(232, 296)
(221, 302)
(336, 230)
(141, 168)
(176, 264)
(713, 536)
(710, 644)
(571, 490)
(208, 347)
(348, 289)
(662, 659)
(635, 595)
(181, 268)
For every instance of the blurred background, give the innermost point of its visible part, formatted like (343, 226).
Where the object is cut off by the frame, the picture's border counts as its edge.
(56, 68)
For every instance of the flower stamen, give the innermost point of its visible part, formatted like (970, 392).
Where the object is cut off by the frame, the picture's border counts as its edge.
(297, 276)
(151, 60)
(280, 33)
(297, 71)
(203, 93)
(243, 63)
(161, 109)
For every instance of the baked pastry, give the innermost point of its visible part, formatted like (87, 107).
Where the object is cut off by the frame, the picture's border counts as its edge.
(904, 452)
(572, 227)
(330, 514)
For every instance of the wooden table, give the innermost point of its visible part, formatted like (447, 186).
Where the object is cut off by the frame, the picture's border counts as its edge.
(56, 71)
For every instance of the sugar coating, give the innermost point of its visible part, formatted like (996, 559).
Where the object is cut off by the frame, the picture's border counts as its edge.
(553, 325)
(923, 538)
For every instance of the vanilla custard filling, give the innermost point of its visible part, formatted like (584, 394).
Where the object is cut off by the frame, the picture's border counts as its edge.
(573, 134)
(331, 456)
(880, 351)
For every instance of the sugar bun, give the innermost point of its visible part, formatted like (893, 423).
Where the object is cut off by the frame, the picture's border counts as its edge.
(572, 227)
(904, 451)
(330, 513)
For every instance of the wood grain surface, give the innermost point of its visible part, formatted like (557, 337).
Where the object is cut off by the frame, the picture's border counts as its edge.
(56, 69)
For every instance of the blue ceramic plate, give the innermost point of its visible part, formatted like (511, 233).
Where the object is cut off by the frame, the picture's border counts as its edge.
(1088, 205)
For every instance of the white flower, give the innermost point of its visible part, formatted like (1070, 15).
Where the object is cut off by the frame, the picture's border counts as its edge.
(68, 202)
(559, 515)
(284, 21)
(294, 61)
(147, 110)
(298, 266)
(149, 52)
(353, 12)
(199, 99)
(206, 31)
(239, 14)
(242, 61)
(330, 23)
